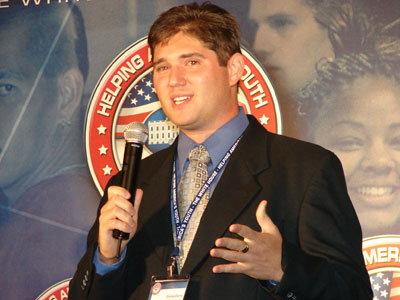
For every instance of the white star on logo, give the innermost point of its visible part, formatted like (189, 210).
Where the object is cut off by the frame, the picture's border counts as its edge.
(377, 287)
(134, 101)
(103, 150)
(102, 129)
(147, 97)
(140, 92)
(107, 170)
(386, 281)
(384, 293)
(264, 120)
(149, 83)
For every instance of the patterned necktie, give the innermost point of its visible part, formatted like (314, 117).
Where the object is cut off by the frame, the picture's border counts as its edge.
(192, 180)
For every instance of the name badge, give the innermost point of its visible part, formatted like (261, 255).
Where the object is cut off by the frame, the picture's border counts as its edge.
(169, 288)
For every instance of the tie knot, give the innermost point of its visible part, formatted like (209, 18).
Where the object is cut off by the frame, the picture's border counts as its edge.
(200, 154)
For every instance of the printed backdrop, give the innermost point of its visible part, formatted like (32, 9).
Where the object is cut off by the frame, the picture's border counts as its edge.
(73, 74)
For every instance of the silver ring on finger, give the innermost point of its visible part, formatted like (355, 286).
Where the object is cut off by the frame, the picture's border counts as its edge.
(245, 249)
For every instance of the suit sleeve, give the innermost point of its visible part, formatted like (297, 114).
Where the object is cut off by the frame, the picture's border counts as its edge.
(86, 283)
(328, 263)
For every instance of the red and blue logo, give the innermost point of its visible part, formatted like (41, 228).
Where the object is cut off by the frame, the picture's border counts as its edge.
(382, 260)
(125, 93)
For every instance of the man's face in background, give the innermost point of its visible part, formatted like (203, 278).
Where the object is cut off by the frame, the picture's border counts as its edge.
(289, 42)
(28, 106)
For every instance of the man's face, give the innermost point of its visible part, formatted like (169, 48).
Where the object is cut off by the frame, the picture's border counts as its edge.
(194, 90)
(362, 126)
(289, 42)
(22, 148)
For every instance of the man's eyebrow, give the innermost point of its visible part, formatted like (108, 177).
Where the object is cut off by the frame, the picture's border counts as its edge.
(192, 54)
(183, 56)
(157, 62)
(278, 17)
(6, 74)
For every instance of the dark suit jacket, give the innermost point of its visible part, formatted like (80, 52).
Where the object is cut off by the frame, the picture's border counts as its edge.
(307, 200)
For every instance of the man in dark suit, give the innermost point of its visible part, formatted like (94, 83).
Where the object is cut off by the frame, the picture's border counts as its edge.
(305, 244)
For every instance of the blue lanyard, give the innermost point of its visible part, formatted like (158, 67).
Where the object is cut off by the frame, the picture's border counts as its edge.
(182, 225)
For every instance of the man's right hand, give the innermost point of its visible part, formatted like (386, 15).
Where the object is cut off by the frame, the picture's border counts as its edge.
(117, 213)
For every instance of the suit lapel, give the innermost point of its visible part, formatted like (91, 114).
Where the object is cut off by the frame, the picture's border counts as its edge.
(155, 215)
(236, 188)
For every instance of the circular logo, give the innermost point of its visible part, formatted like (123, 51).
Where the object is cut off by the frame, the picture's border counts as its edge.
(382, 260)
(125, 93)
(156, 288)
(57, 291)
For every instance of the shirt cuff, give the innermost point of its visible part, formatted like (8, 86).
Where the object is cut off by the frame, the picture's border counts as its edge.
(102, 268)
(269, 284)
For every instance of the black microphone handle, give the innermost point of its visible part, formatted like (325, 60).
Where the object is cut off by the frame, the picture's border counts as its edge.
(130, 169)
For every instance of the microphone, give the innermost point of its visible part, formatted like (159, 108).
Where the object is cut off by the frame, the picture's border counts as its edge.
(135, 135)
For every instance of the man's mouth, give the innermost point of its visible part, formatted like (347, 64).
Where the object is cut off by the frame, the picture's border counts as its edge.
(271, 67)
(180, 100)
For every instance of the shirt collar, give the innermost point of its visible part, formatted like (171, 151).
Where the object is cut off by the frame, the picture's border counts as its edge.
(217, 144)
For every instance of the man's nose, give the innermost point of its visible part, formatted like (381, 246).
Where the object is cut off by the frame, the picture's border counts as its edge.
(264, 42)
(177, 76)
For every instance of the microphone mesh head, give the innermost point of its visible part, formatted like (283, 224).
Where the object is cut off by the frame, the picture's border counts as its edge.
(136, 132)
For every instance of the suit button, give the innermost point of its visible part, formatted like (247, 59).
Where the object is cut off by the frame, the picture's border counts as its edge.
(290, 295)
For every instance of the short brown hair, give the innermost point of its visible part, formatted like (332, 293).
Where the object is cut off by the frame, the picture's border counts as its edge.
(211, 24)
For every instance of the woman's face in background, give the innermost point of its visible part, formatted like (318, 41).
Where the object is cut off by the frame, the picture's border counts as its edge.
(362, 127)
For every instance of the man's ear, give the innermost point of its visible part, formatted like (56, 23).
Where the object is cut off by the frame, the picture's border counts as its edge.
(70, 87)
(235, 68)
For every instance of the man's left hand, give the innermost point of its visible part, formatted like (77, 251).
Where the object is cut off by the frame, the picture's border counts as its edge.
(258, 255)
